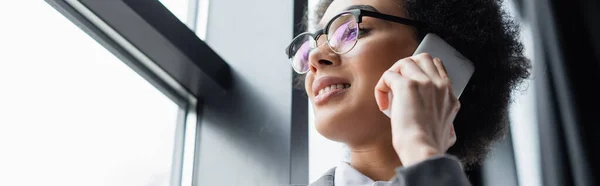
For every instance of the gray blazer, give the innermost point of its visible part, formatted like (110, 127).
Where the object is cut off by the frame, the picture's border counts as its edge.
(442, 170)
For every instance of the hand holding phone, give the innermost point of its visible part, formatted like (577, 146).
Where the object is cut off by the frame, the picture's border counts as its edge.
(423, 125)
(459, 68)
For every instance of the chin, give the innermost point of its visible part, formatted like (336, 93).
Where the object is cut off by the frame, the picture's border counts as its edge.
(332, 126)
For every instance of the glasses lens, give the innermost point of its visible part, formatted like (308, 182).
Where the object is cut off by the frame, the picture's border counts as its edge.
(301, 47)
(343, 33)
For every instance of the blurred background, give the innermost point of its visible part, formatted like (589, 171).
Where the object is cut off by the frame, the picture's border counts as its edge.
(200, 92)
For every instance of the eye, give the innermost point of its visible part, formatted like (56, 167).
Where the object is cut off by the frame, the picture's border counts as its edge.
(363, 31)
(350, 34)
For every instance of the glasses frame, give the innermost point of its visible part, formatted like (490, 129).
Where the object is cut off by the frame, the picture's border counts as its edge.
(358, 14)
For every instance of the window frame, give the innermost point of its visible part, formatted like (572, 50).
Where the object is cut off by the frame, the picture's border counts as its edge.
(180, 64)
(197, 69)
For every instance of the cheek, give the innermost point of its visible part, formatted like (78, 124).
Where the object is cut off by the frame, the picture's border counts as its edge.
(373, 55)
(308, 84)
(372, 58)
(379, 52)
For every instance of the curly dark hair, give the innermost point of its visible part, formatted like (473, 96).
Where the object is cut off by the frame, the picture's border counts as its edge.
(483, 32)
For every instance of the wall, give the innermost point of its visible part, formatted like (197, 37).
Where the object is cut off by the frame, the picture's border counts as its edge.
(245, 133)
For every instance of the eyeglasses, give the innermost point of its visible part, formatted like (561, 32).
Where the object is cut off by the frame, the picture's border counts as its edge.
(342, 34)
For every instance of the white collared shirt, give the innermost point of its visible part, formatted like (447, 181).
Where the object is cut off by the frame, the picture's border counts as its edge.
(346, 175)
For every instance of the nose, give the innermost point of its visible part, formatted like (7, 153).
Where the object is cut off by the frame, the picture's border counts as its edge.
(323, 57)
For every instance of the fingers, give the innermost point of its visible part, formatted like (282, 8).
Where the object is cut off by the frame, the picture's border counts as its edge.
(412, 70)
(403, 88)
(399, 72)
(440, 68)
(423, 100)
(383, 88)
(408, 67)
(436, 71)
(381, 91)
(426, 62)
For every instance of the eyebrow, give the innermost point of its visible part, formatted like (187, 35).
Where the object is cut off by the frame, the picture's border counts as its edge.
(353, 7)
(362, 7)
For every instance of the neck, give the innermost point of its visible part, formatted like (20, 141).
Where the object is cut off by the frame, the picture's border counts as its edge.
(376, 160)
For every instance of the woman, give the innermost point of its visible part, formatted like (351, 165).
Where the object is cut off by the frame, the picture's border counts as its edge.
(351, 67)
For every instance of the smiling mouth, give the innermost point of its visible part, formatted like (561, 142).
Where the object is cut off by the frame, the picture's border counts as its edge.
(334, 87)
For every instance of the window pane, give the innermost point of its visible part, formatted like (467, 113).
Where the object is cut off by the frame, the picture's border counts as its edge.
(71, 113)
(178, 7)
(202, 18)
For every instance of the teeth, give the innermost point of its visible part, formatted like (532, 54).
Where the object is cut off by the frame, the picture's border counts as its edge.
(333, 87)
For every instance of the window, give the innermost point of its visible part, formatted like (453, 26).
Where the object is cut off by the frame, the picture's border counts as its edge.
(523, 120)
(179, 8)
(71, 113)
(194, 13)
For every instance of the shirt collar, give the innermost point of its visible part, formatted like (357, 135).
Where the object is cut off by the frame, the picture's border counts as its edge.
(346, 175)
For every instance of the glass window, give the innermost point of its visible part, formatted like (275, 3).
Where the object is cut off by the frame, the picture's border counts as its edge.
(179, 8)
(202, 18)
(523, 121)
(71, 113)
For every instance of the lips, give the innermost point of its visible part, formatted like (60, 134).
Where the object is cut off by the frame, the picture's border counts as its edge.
(333, 87)
(328, 86)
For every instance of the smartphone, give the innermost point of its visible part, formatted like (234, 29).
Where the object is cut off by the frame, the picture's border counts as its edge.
(459, 68)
